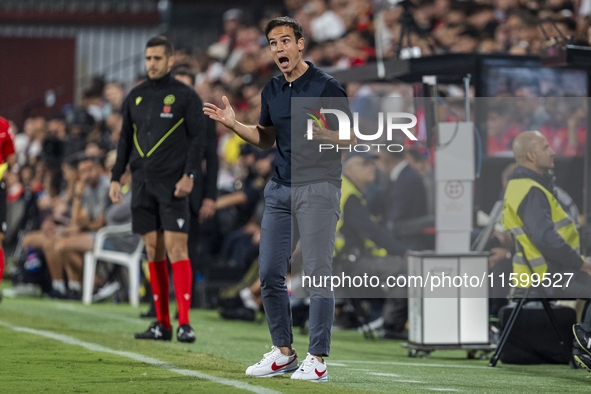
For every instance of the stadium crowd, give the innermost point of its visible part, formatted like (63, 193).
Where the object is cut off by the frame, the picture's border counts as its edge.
(58, 191)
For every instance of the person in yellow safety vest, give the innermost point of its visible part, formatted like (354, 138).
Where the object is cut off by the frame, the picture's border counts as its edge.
(358, 231)
(544, 235)
(363, 246)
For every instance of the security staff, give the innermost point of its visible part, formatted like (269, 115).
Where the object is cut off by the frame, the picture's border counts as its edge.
(162, 139)
(544, 234)
(358, 231)
(363, 246)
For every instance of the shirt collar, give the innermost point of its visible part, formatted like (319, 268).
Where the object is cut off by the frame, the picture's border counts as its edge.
(543, 179)
(395, 173)
(301, 81)
(157, 83)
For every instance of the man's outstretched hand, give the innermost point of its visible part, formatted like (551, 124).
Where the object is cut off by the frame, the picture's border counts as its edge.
(225, 116)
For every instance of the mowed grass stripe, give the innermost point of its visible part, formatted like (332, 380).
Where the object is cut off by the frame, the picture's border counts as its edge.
(215, 351)
(225, 348)
(141, 358)
(35, 364)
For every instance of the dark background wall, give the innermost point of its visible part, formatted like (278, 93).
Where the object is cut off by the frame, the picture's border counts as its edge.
(31, 66)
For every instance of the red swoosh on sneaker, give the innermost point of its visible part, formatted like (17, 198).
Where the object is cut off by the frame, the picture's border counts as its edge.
(319, 373)
(275, 367)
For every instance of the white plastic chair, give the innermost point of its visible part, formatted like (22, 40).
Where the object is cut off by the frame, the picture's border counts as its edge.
(131, 261)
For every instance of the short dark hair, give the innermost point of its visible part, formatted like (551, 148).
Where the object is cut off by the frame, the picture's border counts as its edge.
(298, 31)
(161, 41)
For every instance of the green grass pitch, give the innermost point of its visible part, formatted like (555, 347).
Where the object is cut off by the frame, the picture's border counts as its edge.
(34, 363)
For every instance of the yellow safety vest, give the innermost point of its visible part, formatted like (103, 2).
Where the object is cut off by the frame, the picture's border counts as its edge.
(348, 189)
(516, 191)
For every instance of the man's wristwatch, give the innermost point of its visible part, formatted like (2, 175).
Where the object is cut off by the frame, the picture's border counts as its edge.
(190, 175)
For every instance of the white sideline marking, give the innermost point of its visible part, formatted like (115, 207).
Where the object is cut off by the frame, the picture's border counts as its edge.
(408, 381)
(145, 359)
(336, 364)
(416, 364)
(434, 389)
(384, 374)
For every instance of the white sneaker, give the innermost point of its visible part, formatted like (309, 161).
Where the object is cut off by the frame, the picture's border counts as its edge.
(274, 363)
(312, 370)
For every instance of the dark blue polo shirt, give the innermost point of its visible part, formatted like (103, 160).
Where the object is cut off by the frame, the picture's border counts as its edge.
(298, 156)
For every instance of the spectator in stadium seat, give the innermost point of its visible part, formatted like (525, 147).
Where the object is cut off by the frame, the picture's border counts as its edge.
(467, 41)
(114, 124)
(80, 123)
(418, 159)
(91, 199)
(577, 131)
(114, 95)
(405, 196)
(325, 24)
(35, 130)
(254, 184)
(54, 217)
(530, 111)
(483, 18)
(232, 20)
(355, 49)
(555, 127)
(500, 129)
(57, 127)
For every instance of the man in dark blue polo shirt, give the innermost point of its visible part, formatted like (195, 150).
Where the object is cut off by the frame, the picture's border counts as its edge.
(301, 200)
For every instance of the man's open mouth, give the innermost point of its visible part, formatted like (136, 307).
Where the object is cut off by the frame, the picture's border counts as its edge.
(283, 61)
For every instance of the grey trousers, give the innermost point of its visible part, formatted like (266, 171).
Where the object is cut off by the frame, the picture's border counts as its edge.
(309, 214)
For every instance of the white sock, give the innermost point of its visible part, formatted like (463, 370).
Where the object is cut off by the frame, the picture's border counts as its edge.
(59, 285)
(247, 300)
(76, 286)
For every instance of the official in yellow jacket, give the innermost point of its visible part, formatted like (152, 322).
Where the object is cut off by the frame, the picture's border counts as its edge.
(545, 237)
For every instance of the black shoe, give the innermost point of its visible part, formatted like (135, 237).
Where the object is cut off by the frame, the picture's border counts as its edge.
(185, 334)
(58, 295)
(584, 360)
(157, 332)
(150, 313)
(74, 295)
(582, 337)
